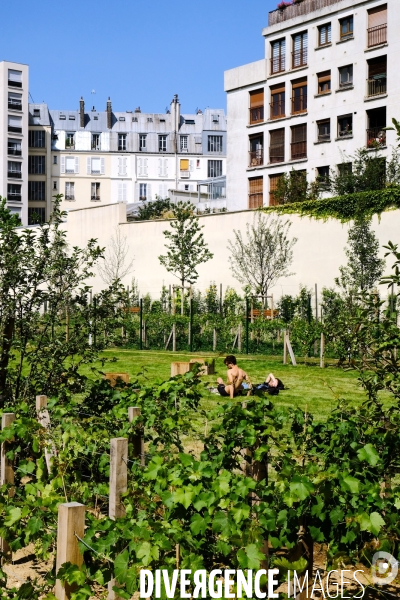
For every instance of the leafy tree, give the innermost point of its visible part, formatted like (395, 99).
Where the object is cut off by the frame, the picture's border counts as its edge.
(294, 187)
(365, 171)
(264, 256)
(186, 249)
(157, 209)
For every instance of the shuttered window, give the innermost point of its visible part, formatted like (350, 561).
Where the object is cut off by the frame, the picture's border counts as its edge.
(122, 191)
(273, 186)
(324, 34)
(299, 142)
(184, 164)
(256, 192)
(122, 168)
(377, 25)
(324, 82)
(69, 164)
(256, 106)
(300, 50)
(277, 101)
(277, 146)
(278, 56)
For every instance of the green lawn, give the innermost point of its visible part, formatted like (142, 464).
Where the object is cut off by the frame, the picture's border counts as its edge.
(308, 386)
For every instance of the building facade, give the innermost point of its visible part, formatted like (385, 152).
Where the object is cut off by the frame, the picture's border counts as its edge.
(14, 82)
(327, 86)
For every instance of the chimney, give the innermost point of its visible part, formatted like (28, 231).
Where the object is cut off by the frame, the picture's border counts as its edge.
(109, 114)
(82, 112)
(176, 113)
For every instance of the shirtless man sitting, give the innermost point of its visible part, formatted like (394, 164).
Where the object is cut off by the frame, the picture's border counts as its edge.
(235, 375)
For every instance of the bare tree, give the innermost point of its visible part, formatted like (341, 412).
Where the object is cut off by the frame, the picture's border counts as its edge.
(115, 265)
(264, 256)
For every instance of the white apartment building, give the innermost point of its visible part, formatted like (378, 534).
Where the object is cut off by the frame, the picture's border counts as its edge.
(14, 81)
(327, 86)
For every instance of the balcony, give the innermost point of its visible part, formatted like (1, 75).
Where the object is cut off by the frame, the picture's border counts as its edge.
(299, 58)
(13, 151)
(298, 150)
(278, 64)
(12, 83)
(13, 197)
(14, 174)
(276, 153)
(14, 105)
(95, 198)
(185, 174)
(299, 104)
(376, 137)
(295, 10)
(277, 110)
(256, 115)
(12, 129)
(69, 145)
(376, 86)
(377, 35)
(256, 158)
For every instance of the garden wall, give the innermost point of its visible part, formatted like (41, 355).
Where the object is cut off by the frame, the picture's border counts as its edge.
(317, 254)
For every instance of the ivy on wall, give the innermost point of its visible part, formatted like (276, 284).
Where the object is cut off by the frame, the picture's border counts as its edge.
(344, 208)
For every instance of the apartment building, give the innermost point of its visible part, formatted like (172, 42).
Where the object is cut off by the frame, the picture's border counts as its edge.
(327, 86)
(14, 81)
(40, 190)
(107, 156)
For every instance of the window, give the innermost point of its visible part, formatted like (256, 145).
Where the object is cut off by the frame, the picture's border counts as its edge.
(121, 119)
(324, 34)
(215, 143)
(142, 142)
(62, 117)
(163, 167)
(256, 157)
(149, 119)
(198, 164)
(346, 76)
(71, 117)
(278, 98)
(323, 177)
(14, 147)
(300, 50)
(69, 164)
(277, 146)
(96, 141)
(377, 25)
(14, 192)
(346, 28)
(214, 118)
(14, 101)
(122, 191)
(55, 160)
(122, 142)
(69, 190)
(70, 140)
(256, 106)
(184, 164)
(273, 186)
(345, 126)
(14, 169)
(162, 143)
(142, 167)
(54, 185)
(14, 78)
(324, 82)
(37, 190)
(122, 166)
(95, 166)
(37, 165)
(14, 124)
(95, 191)
(376, 134)
(299, 96)
(278, 55)
(299, 142)
(184, 143)
(37, 139)
(36, 112)
(186, 187)
(377, 76)
(256, 192)
(36, 215)
(324, 130)
(214, 168)
(143, 191)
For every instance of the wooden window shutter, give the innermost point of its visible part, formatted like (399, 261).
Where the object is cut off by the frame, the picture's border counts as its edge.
(278, 88)
(102, 166)
(299, 82)
(160, 169)
(273, 186)
(76, 164)
(377, 66)
(145, 166)
(256, 191)
(377, 16)
(125, 166)
(119, 165)
(191, 165)
(149, 197)
(277, 137)
(299, 133)
(88, 165)
(137, 192)
(62, 164)
(324, 76)
(166, 167)
(184, 164)
(256, 98)
(140, 166)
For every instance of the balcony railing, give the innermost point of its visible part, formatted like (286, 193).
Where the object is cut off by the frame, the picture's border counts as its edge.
(97, 147)
(95, 198)
(276, 153)
(375, 87)
(256, 158)
(14, 174)
(185, 174)
(376, 137)
(12, 129)
(12, 83)
(14, 197)
(298, 150)
(299, 104)
(69, 145)
(299, 58)
(256, 115)
(278, 64)
(377, 35)
(277, 110)
(12, 151)
(14, 105)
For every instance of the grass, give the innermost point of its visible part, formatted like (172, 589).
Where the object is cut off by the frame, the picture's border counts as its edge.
(307, 386)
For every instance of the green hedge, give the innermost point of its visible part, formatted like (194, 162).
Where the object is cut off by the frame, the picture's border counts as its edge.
(344, 208)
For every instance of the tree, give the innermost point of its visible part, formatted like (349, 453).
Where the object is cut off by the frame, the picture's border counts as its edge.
(265, 256)
(187, 248)
(294, 187)
(115, 265)
(363, 172)
(364, 267)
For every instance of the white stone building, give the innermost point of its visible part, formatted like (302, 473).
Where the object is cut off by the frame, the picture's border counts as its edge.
(327, 86)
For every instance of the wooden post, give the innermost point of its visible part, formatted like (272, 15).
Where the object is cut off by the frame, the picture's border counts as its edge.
(284, 347)
(240, 337)
(6, 474)
(272, 307)
(44, 419)
(66, 324)
(118, 476)
(138, 438)
(214, 339)
(71, 523)
(322, 351)
(174, 337)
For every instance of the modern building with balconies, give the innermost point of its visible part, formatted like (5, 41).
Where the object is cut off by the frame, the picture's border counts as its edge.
(327, 86)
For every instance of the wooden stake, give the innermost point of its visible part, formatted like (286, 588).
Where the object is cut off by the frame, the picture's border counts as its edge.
(118, 476)
(284, 347)
(322, 351)
(44, 420)
(6, 475)
(138, 438)
(214, 340)
(71, 523)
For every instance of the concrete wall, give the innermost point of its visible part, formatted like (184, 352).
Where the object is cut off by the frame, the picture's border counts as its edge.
(317, 255)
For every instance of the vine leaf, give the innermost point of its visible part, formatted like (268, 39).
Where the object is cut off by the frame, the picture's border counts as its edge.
(369, 455)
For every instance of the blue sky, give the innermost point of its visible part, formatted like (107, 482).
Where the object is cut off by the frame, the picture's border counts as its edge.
(139, 53)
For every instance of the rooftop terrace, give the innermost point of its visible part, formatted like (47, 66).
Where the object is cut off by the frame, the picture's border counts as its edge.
(295, 10)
